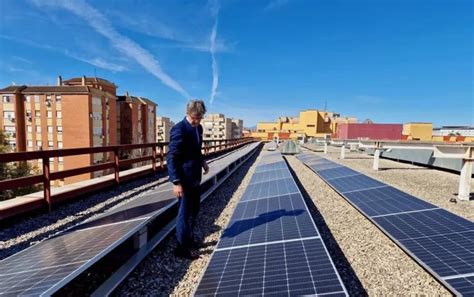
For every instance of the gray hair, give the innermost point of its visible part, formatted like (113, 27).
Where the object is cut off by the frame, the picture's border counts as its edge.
(196, 107)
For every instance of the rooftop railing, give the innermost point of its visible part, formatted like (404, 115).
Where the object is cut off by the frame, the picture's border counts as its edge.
(153, 152)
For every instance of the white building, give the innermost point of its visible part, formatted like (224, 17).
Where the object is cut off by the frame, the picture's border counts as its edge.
(163, 128)
(466, 131)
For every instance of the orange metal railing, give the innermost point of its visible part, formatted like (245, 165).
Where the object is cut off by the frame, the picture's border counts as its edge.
(156, 158)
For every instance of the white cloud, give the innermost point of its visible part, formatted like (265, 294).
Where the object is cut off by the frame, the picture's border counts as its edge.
(124, 44)
(215, 68)
(98, 62)
(172, 36)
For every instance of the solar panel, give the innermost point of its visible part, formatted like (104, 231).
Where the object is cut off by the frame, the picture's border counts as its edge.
(386, 200)
(291, 268)
(270, 189)
(52, 262)
(439, 240)
(337, 172)
(442, 240)
(270, 175)
(464, 285)
(271, 166)
(271, 245)
(354, 183)
(267, 220)
(326, 165)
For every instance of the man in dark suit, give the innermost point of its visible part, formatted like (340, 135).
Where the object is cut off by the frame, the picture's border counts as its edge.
(185, 163)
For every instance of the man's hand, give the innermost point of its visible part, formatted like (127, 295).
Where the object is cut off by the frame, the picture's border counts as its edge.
(205, 167)
(178, 191)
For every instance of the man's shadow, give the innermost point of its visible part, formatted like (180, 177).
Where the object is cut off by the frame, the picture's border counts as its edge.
(239, 227)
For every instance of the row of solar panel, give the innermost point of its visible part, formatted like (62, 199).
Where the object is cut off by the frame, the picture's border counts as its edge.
(441, 241)
(46, 267)
(271, 245)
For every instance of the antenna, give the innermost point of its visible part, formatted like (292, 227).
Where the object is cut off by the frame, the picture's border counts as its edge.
(325, 104)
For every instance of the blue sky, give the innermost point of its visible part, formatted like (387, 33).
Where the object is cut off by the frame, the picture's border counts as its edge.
(390, 61)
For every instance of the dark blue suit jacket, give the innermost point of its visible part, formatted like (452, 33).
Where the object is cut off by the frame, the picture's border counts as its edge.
(185, 159)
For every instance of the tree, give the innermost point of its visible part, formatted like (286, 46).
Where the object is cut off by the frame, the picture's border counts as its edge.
(14, 170)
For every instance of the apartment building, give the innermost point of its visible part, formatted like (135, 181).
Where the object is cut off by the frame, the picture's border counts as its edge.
(216, 127)
(135, 119)
(310, 123)
(79, 112)
(237, 128)
(163, 129)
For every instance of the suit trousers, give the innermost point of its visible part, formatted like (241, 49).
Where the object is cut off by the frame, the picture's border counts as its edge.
(189, 205)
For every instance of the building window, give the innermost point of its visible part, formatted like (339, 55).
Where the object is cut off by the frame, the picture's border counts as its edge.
(58, 98)
(50, 144)
(6, 99)
(28, 99)
(50, 129)
(10, 115)
(30, 128)
(60, 144)
(50, 114)
(30, 143)
(37, 98)
(9, 129)
(59, 114)
(61, 159)
(37, 113)
(38, 143)
(38, 129)
(59, 129)
(48, 97)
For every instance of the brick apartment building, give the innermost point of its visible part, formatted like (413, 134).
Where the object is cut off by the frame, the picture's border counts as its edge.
(136, 117)
(79, 112)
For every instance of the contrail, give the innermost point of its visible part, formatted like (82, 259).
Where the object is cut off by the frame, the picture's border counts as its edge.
(215, 69)
(124, 44)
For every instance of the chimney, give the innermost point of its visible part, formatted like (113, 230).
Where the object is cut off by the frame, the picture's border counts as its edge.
(60, 80)
(83, 80)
